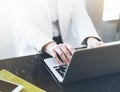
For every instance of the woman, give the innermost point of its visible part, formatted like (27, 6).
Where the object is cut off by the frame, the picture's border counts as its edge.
(39, 21)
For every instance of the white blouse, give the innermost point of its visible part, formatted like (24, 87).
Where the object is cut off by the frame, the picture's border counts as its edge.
(54, 17)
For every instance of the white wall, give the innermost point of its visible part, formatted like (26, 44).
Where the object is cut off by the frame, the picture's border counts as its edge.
(6, 21)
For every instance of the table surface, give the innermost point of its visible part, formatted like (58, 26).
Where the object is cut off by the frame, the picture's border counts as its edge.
(31, 69)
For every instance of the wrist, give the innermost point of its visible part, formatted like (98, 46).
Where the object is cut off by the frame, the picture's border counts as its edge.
(89, 39)
(47, 46)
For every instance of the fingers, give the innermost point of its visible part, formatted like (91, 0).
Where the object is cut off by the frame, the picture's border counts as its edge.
(95, 44)
(50, 49)
(65, 55)
(62, 53)
(55, 56)
(70, 48)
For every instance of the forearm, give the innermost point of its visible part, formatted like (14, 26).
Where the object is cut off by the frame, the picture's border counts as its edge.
(82, 22)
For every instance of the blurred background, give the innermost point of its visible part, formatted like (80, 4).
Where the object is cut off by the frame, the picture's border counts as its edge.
(6, 22)
(104, 14)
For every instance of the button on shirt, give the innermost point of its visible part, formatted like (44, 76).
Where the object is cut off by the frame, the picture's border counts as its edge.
(54, 17)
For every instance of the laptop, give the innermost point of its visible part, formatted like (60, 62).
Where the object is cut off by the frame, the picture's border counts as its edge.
(87, 63)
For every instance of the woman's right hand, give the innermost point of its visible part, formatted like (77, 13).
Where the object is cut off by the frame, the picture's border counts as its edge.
(62, 53)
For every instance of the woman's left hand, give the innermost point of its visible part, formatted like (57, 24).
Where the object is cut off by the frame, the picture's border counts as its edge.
(93, 42)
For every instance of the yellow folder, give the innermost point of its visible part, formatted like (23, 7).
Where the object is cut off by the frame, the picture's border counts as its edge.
(27, 87)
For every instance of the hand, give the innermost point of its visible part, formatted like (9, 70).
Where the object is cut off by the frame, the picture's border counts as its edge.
(64, 51)
(93, 42)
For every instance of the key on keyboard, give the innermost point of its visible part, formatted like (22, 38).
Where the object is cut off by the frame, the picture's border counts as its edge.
(61, 69)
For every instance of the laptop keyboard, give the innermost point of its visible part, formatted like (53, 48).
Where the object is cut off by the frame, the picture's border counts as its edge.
(61, 69)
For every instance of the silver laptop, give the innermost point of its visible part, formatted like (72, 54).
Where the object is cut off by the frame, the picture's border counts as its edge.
(87, 63)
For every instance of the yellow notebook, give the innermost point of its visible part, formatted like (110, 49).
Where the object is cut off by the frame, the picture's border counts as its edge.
(28, 87)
